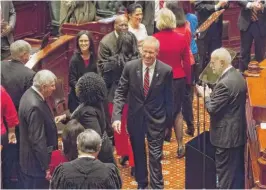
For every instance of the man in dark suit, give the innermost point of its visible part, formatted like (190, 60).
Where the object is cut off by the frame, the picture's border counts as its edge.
(252, 25)
(108, 46)
(16, 79)
(226, 106)
(147, 83)
(38, 132)
(8, 21)
(210, 39)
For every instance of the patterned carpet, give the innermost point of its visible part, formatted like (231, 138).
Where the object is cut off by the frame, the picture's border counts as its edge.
(173, 168)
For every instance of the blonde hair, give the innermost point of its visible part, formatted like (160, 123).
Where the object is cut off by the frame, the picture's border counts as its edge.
(166, 19)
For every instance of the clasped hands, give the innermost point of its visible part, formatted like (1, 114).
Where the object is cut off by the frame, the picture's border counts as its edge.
(200, 90)
(5, 28)
(60, 118)
(222, 3)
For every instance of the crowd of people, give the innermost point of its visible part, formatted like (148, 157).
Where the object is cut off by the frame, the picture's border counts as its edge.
(133, 90)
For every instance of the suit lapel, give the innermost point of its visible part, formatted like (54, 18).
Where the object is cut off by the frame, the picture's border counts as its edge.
(140, 77)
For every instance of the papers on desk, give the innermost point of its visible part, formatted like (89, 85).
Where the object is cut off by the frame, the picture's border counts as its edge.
(263, 125)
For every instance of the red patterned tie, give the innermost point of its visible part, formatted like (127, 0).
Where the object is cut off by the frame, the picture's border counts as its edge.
(146, 82)
(161, 2)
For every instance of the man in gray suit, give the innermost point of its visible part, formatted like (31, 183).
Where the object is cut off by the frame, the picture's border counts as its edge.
(226, 106)
(252, 25)
(147, 83)
(8, 16)
(108, 46)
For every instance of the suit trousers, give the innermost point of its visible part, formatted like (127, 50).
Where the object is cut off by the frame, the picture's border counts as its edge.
(230, 167)
(33, 182)
(155, 144)
(247, 37)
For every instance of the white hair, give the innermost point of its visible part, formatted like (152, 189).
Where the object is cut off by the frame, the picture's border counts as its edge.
(43, 77)
(89, 141)
(19, 48)
(152, 40)
(222, 54)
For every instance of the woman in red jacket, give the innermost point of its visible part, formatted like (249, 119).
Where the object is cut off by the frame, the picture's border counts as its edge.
(9, 118)
(174, 51)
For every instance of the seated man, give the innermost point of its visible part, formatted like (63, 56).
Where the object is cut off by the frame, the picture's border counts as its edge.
(87, 172)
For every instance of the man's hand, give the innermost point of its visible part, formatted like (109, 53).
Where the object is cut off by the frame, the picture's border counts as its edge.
(12, 138)
(48, 175)
(222, 3)
(6, 31)
(200, 90)
(117, 126)
(60, 118)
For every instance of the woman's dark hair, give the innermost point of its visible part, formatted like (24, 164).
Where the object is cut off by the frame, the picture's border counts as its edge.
(127, 46)
(91, 48)
(69, 138)
(91, 89)
(178, 12)
(132, 8)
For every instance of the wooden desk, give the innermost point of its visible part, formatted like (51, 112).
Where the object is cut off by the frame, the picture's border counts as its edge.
(255, 158)
(55, 57)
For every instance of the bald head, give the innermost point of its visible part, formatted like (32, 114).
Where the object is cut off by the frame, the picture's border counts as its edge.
(121, 24)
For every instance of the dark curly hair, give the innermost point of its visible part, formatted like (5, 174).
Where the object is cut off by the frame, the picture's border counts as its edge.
(91, 89)
(69, 139)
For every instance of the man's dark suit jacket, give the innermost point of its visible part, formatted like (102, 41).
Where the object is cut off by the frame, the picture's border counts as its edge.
(107, 48)
(16, 79)
(204, 9)
(244, 19)
(226, 107)
(38, 134)
(154, 111)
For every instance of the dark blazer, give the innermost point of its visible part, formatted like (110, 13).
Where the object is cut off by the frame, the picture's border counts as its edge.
(94, 117)
(244, 18)
(107, 48)
(86, 173)
(226, 107)
(204, 9)
(152, 112)
(16, 79)
(38, 134)
(9, 15)
(76, 70)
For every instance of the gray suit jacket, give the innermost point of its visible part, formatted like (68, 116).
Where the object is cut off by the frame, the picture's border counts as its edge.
(244, 19)
(226, 107)
(107, 48)
(9, 15)
(151, 113)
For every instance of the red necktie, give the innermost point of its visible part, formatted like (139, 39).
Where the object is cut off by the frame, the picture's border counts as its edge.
(161, 2)
(146, 82)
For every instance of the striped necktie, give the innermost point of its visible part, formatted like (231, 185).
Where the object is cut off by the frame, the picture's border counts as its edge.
(146, 82)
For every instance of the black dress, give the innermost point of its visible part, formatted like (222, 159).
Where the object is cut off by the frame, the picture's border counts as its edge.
(77, 69)
(86, 173)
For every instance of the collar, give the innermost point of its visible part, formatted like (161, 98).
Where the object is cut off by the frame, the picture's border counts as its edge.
(227, 69)
(86, 156)
(116, 34)
(150, 67)
(38, 92)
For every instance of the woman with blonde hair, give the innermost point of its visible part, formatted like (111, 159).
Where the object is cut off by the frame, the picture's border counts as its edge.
(174, 51)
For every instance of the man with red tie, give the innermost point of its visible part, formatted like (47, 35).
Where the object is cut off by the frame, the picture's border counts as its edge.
(147, 83)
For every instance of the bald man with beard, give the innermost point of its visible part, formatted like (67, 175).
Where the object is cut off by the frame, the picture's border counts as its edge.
(108, 46)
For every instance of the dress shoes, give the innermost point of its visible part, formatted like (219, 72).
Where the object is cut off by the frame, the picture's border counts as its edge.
(190, 132)
(143, 186)
(123, 160)
(181, 152)
(132, 171)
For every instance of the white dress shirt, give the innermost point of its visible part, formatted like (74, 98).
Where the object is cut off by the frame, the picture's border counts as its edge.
(151, 72)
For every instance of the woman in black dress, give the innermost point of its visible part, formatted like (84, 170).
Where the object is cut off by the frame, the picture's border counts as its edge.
(82, 61)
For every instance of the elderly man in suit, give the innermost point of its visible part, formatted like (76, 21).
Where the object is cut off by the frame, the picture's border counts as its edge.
(210, 39)
(16, 79)
(226, 106)
(252, 25)
(147, 83)
(38, 132)
(108, 46)
(8, 21)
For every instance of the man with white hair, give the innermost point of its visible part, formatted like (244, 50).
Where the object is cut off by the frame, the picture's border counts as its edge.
(16, 79)
(38, 132)
(226, 106)
(147, 85)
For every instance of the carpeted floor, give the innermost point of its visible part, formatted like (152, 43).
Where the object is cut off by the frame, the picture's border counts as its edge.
(173, 168)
